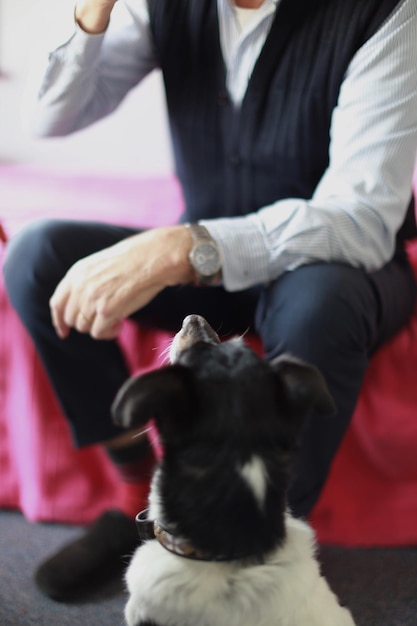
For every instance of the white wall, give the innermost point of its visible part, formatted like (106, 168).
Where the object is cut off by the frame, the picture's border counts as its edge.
(133, 140)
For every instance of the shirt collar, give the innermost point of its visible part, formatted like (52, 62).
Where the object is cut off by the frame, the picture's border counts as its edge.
(226, 7)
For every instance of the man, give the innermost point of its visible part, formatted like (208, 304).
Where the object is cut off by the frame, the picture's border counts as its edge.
(294, 129)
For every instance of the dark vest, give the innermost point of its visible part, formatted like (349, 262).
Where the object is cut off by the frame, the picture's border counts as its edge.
(232, 161)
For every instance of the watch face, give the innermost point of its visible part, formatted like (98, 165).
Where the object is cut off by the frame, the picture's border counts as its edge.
(206, 259)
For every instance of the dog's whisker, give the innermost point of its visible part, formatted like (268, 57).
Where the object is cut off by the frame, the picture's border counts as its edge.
(164, 356)
(245, 332)
(142, 432)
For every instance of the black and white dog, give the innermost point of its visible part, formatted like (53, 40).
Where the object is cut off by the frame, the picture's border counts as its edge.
(222, 549)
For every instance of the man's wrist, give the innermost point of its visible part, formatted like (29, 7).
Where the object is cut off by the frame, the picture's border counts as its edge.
(92, 18)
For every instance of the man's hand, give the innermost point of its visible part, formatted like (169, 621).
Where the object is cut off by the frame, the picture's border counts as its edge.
(93, 15)
(99, 291)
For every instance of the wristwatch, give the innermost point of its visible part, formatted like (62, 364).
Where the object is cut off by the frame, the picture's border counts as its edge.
(205, 256)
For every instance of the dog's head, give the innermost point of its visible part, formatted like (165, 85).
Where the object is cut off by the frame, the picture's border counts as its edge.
(222, 390)
(229, 422)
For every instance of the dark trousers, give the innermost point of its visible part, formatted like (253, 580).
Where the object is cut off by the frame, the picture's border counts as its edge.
(331, 315)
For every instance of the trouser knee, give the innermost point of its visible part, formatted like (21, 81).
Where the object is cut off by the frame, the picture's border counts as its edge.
(33, 265)
(316, 311)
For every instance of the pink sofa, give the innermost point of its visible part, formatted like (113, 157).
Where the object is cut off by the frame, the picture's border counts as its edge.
(371, 495)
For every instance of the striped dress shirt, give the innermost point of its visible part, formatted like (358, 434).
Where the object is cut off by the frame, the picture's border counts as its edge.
(362, 198)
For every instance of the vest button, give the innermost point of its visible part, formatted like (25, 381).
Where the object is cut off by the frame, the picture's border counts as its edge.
(222, 98)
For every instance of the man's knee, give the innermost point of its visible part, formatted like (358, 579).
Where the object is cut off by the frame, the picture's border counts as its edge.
(314, 308)
(31, 266)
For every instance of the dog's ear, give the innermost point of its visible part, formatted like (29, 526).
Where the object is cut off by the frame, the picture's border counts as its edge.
(304, 384)
(158, 394)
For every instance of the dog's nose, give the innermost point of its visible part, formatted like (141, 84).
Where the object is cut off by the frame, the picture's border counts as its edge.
(197, 328)
(194, 330)
(194, 322)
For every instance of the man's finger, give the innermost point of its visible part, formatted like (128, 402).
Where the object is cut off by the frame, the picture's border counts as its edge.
(83, 323)
(57, 306)
(105, 328)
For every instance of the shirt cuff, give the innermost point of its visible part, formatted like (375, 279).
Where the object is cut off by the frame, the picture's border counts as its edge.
(245, 256)
(79, 47)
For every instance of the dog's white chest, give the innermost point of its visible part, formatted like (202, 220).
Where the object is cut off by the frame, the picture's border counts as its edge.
(285, 591)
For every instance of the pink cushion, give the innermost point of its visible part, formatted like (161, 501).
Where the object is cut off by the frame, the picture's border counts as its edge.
(370, 495)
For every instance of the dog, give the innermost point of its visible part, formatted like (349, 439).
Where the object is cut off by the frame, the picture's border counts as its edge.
(220, 547)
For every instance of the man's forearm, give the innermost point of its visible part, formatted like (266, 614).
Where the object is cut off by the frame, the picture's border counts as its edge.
(78, 86)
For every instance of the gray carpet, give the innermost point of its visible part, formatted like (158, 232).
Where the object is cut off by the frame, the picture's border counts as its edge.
(379, 585)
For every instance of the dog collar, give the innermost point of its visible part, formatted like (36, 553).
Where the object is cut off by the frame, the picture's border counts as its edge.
(152, 529)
